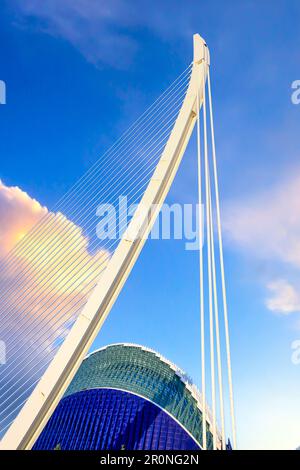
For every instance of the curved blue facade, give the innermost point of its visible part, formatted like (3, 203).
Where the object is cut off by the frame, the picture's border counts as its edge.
(128, 396)
(109, 419)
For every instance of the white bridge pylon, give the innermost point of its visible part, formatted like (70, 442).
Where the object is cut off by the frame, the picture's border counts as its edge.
(33, 416)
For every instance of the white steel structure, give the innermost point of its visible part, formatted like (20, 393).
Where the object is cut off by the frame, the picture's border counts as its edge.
(35, 413)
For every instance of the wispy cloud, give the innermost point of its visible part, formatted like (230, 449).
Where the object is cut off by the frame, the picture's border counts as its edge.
(267, 226)
(103, 31)
(96, 29)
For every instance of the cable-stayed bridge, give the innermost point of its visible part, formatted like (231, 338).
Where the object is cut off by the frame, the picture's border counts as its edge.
(60, 281)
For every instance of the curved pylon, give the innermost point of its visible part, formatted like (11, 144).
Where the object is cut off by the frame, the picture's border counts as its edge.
(29, 423)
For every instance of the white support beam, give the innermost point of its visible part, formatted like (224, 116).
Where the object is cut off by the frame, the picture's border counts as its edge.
(34, 415)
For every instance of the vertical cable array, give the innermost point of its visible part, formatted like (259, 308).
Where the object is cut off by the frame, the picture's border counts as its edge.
(202, 319)
(214, 279)
(216, 310)
(209, 271)
(224, 296)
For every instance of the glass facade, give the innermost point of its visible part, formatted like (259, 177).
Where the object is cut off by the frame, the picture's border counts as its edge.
(107, 419)
(160, 397)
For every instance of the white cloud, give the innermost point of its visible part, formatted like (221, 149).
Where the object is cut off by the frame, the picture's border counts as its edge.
(44, 282)
(267, 226)
(18, 213)
(50, 272)
(285, 298)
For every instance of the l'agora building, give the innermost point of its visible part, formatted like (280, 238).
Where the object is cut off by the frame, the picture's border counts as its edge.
(126, 396)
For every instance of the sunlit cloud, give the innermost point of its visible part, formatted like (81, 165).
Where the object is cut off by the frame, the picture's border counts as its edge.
(45, 281)
(18, 213)
(47, 278)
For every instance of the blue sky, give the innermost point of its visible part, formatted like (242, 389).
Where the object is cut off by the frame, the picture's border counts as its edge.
(79, 73)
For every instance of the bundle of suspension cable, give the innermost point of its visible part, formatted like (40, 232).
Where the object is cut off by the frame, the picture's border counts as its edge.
(212, 275)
